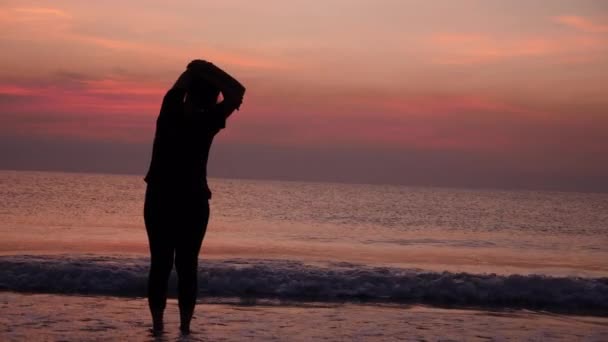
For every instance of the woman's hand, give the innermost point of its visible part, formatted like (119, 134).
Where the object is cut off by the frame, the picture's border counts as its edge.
(232, 90)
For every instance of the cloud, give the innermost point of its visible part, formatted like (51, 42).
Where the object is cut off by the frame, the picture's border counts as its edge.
(42, 12)
(123, 108)
(449, 122)
(457, 48)
(14, 90)
(462, 49)
(78, 106)
(46, 30)
(581, 24)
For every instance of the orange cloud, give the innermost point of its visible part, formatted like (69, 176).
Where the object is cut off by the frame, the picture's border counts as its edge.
(40, 26)
(124, 87)
(42, 11)
(478, 48)
(581, 24)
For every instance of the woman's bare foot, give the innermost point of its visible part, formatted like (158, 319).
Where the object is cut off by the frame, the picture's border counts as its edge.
(158, 327)
(185, 316)
(184, 329)
(157, 322)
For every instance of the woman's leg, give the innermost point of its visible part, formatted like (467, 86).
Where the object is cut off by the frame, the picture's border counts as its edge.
(161, 254)
(187, 249)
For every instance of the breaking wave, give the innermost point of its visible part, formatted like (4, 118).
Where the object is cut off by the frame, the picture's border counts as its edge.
(297, 281)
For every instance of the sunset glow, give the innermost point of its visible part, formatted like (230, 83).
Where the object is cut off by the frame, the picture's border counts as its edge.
(523, 82)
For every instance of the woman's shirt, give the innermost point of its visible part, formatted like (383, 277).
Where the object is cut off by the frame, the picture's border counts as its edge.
(182, 143)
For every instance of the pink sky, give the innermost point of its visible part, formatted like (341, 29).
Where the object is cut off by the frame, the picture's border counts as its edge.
(523, 81)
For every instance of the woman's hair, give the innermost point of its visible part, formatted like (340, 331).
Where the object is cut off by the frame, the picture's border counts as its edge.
(203, 93)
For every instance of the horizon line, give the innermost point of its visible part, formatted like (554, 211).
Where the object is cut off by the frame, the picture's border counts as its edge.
(312, 181)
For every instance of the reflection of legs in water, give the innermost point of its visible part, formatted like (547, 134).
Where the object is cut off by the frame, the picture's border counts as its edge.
(176, 224)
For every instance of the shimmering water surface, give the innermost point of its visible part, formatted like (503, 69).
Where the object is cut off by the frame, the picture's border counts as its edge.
(429, 228)
(529, 262)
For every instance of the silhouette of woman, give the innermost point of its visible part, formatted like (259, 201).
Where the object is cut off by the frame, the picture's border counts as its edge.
(176, 209)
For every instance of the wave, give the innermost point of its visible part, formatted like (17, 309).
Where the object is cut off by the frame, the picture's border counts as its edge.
(296, 281)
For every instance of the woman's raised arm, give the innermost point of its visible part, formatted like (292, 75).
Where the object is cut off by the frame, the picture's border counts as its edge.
(231, 89)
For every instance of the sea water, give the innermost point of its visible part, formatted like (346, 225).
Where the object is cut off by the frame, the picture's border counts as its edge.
(316, 242)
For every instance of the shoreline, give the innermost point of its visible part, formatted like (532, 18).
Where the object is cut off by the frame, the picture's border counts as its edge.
(244, 302)
(85, 318)
(293, 281)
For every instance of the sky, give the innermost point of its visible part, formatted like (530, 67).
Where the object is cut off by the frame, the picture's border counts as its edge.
(469, 93)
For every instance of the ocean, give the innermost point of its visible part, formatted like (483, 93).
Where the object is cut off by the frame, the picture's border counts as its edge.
(274, 246)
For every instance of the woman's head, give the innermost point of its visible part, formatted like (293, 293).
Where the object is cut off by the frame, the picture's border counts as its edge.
(202, 95)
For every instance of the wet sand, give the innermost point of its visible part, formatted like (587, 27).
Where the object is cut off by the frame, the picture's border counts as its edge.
(42, 317)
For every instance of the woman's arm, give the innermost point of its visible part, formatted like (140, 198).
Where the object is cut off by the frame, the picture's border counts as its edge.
(231, 89)
(174, 98)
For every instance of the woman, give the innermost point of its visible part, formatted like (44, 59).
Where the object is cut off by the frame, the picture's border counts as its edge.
(176, 209)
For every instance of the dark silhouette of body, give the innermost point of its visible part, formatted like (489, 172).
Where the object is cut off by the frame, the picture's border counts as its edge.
(176, 209)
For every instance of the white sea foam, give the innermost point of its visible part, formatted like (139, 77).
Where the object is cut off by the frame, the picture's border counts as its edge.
(293, 280)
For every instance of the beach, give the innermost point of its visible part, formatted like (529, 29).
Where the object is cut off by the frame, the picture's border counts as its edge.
(76, 318)
(293, 261)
